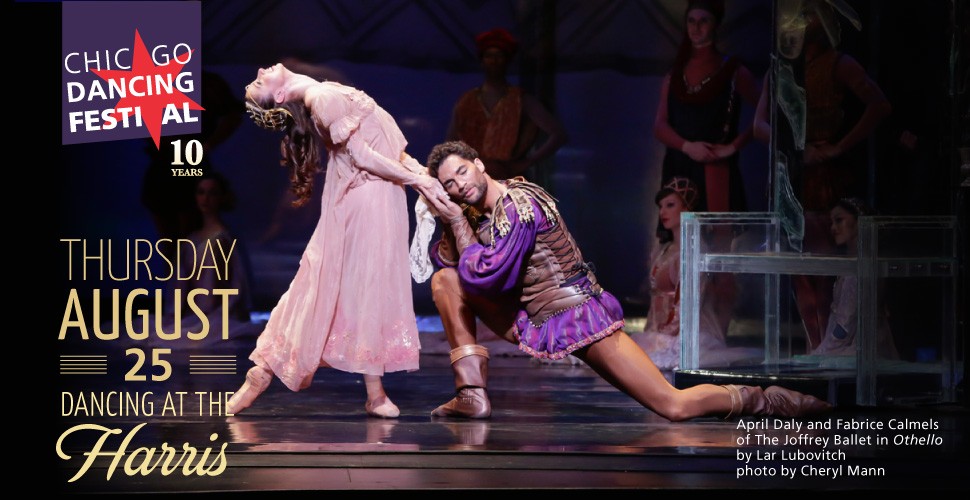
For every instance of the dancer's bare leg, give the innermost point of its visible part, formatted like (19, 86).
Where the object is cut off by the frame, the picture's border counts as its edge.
(378, 404)
(459, 310)
(498, 315)
(457, 317)
(469, 361)
(621, 362)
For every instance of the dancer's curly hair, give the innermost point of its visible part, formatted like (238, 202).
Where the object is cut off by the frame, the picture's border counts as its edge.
(442, 151)
(300, 146)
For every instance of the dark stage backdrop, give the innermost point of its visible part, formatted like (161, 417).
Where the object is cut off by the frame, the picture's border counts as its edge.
(415, 58)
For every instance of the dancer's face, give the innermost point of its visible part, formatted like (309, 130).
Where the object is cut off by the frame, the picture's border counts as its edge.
(463, 180)
(791, 31)
(267, 82)
(670, 208)
(495, 61)
(700, 27)
(208, 196)
(844, 226)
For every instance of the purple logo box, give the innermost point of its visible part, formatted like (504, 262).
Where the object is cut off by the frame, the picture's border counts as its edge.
(101, 36)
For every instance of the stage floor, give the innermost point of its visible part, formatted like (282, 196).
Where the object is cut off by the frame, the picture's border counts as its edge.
(553, 426)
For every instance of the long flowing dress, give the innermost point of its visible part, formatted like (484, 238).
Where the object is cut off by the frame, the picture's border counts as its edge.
(350, 305)
(230, 316)
(709, 113)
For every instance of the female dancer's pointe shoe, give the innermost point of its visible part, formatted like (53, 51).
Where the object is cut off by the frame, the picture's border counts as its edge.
(382, 408)
(257, 380)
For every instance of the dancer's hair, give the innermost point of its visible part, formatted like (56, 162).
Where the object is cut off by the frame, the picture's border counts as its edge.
(300, 146)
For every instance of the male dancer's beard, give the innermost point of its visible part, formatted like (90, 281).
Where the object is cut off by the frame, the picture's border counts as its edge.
(480, 190)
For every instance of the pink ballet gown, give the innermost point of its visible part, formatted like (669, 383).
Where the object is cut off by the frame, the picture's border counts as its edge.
(350, 303)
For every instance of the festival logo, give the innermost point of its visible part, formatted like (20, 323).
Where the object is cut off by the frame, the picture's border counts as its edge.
(130, 70)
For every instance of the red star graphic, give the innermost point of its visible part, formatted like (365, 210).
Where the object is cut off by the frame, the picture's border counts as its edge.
(152, 106)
